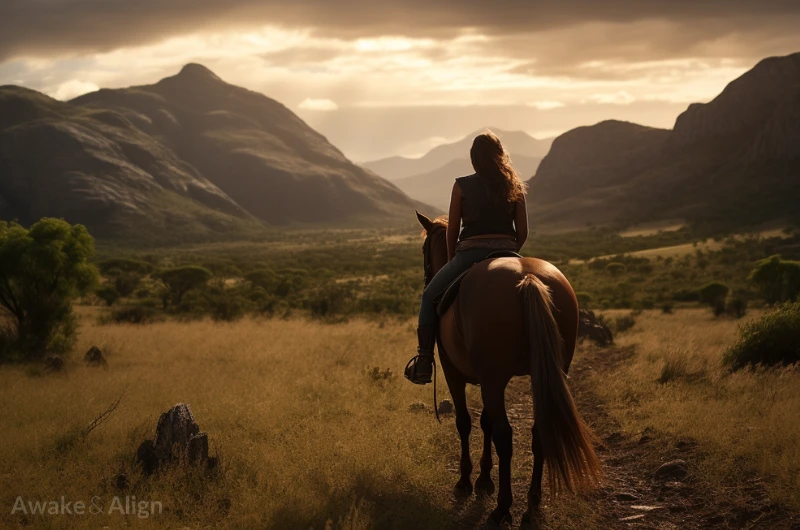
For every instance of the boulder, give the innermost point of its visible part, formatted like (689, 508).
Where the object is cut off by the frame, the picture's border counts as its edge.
(94, 357)
(590, 327)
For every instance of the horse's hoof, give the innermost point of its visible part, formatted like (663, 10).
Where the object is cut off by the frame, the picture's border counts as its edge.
(534, 499)
(528, 518)
(463, 488)
(500, 517)
(484, 486)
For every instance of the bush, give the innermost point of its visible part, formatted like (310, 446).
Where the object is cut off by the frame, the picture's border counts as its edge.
(615, 268)
(773, 339)
(126, 283)
(713, 295)
(736, 305)
(135, 314)
(43, 269)
(107, 294)
(667, 308)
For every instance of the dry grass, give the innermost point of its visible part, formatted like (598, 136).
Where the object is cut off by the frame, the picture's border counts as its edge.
(675, 382)
(306, 432)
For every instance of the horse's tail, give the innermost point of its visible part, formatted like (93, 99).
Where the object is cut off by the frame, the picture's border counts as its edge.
(566, 441)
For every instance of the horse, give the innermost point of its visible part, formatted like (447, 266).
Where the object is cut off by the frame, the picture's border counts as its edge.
(512, 317)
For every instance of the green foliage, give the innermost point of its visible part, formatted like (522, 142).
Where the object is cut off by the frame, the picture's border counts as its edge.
(773, 339)
(615, 268)
(777, 280)
(140, 313)
(736, 305)
(126, 283)
(42, 270)
(713, 295)
(180, 280)
(107, 294)
(112, 267)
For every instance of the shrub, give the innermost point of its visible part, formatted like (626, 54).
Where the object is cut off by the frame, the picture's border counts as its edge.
(713, 295)
(736, 305)
(126, 283)
(107, 294)
(615, 267)
(777, 280)
(772, 339)
(667, 308)
(42, 270)
(135, 314)
(584, 299)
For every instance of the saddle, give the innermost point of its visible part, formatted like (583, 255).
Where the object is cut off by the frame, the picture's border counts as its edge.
(444, 302)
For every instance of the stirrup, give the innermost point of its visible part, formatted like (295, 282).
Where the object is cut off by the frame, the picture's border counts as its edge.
(416, 377)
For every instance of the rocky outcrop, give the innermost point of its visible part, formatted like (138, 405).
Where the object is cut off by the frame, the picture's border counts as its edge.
(178, 439)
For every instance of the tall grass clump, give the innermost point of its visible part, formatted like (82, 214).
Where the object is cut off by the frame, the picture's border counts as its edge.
(772, 339)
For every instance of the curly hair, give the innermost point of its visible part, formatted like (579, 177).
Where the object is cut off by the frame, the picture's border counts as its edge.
(491, 162)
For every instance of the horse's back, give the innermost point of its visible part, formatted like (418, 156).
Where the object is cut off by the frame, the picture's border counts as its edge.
(487, 324)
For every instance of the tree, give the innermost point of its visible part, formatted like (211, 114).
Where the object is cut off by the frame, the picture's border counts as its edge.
(615, 268)
(42, 269)
(180, 280)
(777, 279)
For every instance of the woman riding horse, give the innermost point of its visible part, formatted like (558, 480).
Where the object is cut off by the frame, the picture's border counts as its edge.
(513, 317)
(491, 206)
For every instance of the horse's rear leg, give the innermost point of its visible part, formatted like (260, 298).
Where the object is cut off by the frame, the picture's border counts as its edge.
(484, 484)
(494, 405)
(535, 491)
(458, 388)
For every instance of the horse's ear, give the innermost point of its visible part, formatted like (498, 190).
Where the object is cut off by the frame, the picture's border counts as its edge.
(426, 223)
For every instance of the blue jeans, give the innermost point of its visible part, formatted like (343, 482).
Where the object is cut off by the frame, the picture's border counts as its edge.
(461, 261)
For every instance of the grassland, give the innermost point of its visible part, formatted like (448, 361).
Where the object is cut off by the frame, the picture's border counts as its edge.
(675, 382)
(314, 428)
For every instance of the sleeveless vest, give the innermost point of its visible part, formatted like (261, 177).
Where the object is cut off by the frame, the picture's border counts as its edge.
(480, 213)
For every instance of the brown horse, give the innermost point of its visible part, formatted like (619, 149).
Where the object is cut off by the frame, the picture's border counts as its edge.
(513, 317)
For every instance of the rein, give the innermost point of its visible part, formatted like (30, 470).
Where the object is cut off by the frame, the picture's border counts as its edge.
(426, 251)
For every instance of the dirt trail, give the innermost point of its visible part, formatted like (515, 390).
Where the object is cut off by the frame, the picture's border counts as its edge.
(631, 496)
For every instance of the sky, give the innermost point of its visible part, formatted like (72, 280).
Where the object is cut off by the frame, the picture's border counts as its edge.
(381, 78)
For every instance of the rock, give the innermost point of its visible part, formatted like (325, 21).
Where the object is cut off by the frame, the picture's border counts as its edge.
(53, 364)
(674, 470)
(121, 481)
(178, 439)
(589, 327)
(94, 357)
(446, 407)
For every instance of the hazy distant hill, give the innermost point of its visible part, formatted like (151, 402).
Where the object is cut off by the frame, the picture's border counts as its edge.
(518, 143)
(430, 178)
(188, 158)
(434, 187)
(732, 162)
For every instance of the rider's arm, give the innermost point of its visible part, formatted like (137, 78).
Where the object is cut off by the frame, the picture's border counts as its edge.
(521, 222)
(453, 221)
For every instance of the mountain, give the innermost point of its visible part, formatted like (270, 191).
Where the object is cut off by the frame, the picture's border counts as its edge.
(430, 178)
(434, 187)
(188, 158)
(730, 163)
(518, 144)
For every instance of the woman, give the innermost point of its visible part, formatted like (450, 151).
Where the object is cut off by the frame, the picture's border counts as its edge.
(490, 204)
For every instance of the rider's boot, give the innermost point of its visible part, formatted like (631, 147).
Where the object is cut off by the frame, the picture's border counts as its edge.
(420, 369)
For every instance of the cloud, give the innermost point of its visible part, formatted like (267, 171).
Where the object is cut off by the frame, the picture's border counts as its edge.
(318, 104)
(617, 98)
(72, 89)
(53, 28)
(546, 104)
